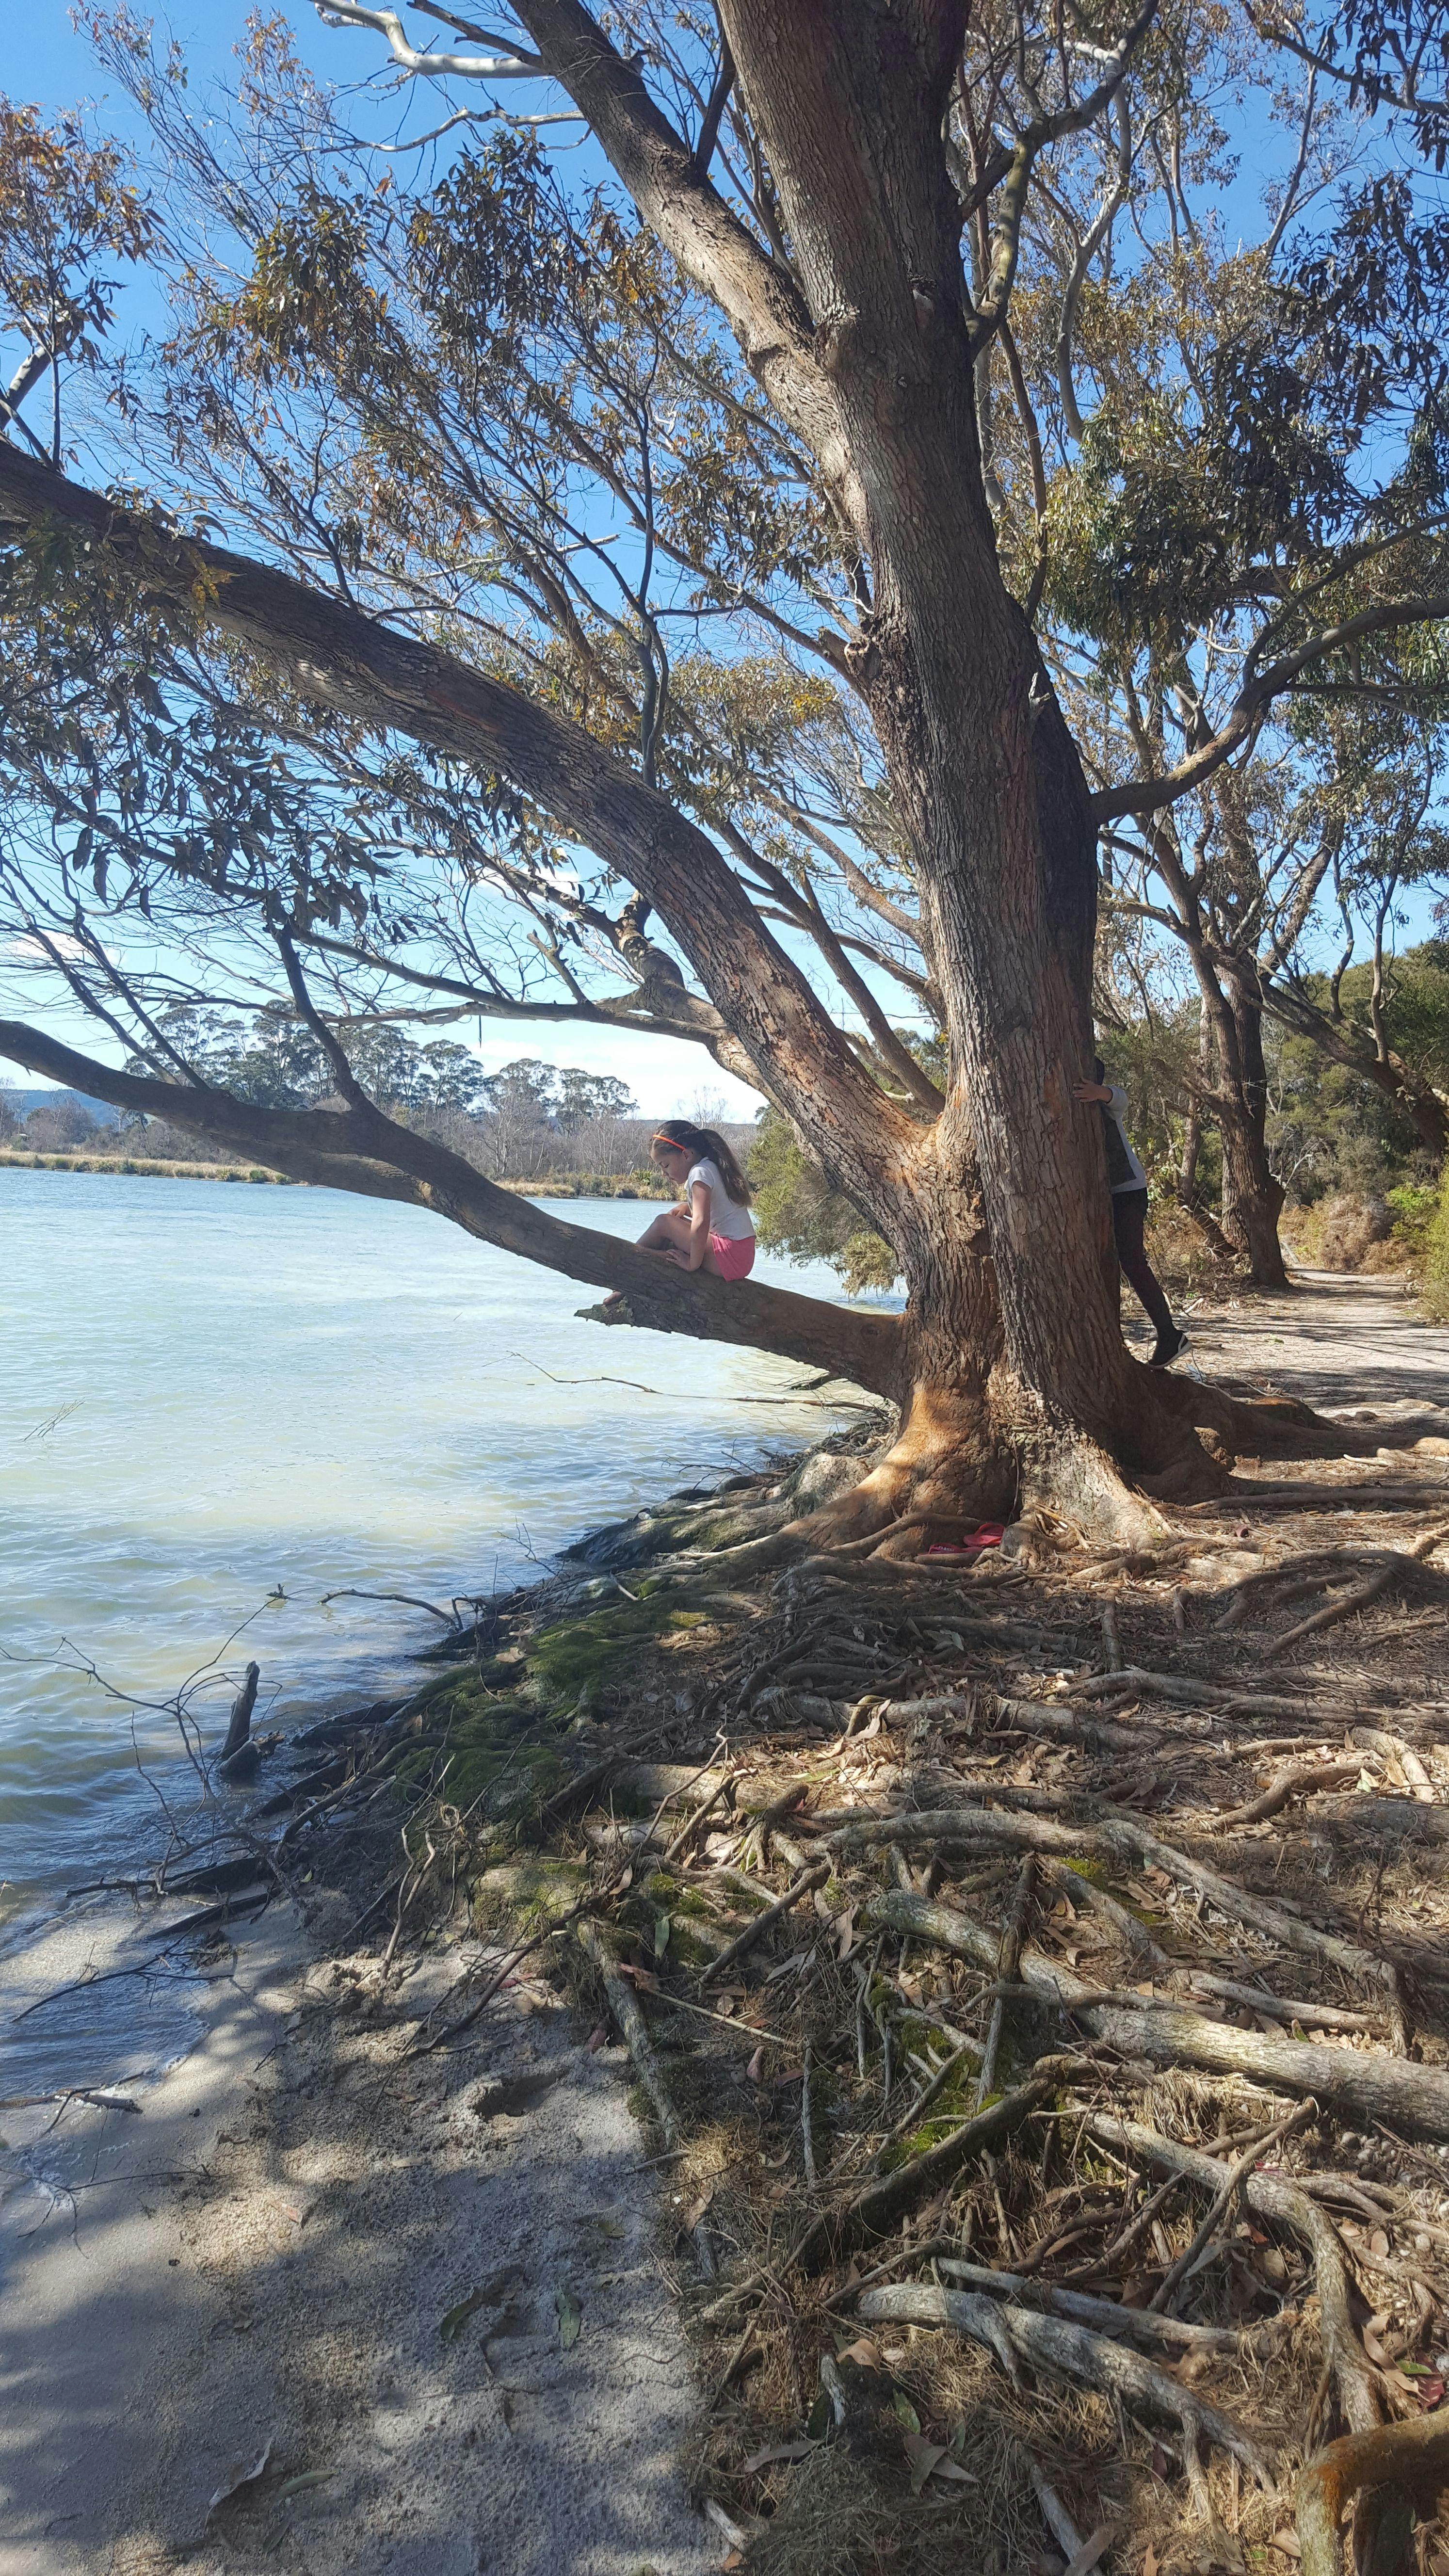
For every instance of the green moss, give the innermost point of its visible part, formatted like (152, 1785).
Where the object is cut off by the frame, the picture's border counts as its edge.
(494, 1745)
(664, 1890)
(575, 1659)
(526, 1893)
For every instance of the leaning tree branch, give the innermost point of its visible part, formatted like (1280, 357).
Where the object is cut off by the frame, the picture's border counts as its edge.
(364, 1151)
(675, 198)
(1143, 796)
(334, 653)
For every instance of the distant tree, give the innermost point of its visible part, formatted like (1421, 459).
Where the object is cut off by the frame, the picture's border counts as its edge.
(58, 1129)
(579, 1099)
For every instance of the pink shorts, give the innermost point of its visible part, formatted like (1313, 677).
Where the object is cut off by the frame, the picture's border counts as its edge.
(735, 1255)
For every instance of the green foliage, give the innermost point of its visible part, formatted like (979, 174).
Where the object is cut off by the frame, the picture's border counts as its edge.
(64, 204)
(1434, 1283)
(798, 1213)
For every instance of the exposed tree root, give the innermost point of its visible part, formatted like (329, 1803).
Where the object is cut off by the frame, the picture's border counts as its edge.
(1413, 2099)
(1275, 2196)
(1120, 1837)
(1016, 2335)
(1408, 2457)
(863, 1718)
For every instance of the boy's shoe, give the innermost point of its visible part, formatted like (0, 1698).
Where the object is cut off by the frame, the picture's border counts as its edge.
(1169, 1347)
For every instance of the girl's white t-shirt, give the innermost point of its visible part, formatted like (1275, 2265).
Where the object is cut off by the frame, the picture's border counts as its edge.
(734, 1223)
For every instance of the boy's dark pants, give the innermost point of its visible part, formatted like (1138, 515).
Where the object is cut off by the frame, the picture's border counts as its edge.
(1129, 1212)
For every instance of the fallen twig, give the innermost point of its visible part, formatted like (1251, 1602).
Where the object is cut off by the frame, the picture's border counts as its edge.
(746, 1939)
(1012, 1939)
(1052, 2343)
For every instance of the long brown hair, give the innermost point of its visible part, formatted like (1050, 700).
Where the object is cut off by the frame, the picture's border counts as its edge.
(705, 1144)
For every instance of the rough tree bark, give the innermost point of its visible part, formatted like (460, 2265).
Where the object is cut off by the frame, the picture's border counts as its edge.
(1252, 1192)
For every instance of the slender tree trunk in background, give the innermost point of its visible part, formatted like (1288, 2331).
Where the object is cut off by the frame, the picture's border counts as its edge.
(1252, 1193)
(1190, 1191)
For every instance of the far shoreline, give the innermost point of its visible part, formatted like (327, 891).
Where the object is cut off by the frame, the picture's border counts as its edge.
(590, 1185)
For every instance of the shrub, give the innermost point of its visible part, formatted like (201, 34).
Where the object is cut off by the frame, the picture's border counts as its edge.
(1434, 1284)
(1348, 1228)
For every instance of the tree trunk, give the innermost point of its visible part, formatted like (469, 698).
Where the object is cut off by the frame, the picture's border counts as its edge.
(1189, 1187)
(1252, 1194)
(984, 775)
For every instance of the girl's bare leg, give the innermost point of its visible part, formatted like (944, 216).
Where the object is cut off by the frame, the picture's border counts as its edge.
(668, 1233)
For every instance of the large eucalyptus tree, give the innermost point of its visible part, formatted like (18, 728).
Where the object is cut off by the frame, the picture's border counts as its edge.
(484, 452)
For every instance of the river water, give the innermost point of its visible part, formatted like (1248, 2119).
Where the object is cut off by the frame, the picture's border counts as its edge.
(218, 1404)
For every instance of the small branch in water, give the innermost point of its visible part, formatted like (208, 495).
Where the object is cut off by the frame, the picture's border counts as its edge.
(412, 1601)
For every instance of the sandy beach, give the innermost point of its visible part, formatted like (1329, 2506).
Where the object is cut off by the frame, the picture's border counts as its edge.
(258, 2262)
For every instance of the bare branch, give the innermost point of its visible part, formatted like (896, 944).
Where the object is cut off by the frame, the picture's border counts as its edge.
(1149, 795)
(386, 22)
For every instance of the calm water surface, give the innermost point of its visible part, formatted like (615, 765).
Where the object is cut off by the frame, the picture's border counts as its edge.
(212, 1397)
(223, 1402)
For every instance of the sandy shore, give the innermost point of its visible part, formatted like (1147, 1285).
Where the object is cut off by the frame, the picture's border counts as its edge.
(261, 2258)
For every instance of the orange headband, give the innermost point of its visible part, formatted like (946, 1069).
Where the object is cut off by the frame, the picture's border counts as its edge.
(671, 1141)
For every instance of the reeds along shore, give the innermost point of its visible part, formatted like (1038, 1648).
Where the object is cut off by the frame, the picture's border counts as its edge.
(1035, 1977)
(567, 1185)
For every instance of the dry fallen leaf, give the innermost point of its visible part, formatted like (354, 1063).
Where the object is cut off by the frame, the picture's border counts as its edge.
(776, 2451)
(236, 2487)
(924, 2457)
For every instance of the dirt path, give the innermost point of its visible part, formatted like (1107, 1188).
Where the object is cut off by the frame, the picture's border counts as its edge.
(1333, 1339)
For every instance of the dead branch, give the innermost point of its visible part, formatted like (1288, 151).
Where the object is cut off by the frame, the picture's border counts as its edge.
(1072, 2352)
(1282, 2007)
(745, 1940)
(878, 2208)
(1105, 2316)
(1278, 2197)
(1015, 1934)
(1223, 2200)
(1297, 1780)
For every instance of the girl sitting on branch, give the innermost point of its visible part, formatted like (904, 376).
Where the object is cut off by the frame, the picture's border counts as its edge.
(712, 1229)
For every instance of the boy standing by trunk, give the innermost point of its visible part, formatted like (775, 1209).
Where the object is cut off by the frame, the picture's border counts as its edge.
(1127, 1182)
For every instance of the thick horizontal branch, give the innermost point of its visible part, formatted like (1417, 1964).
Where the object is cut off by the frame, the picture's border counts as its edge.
(362, 1150)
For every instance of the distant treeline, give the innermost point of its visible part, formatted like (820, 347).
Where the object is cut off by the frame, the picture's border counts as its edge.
(530, 1122)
